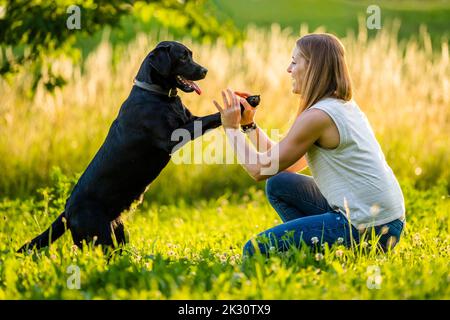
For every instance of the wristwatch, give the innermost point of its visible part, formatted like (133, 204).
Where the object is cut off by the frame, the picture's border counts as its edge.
(246, 128)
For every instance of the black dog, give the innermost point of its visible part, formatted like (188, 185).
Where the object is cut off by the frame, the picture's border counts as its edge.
(137, 147)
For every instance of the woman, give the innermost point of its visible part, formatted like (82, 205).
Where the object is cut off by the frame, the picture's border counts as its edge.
(353, 194)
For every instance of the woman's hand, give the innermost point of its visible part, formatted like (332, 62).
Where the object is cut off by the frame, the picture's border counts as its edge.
(249, 112)
(231, 113)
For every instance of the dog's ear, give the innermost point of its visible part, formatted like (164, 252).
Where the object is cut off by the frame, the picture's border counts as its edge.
(160, 59)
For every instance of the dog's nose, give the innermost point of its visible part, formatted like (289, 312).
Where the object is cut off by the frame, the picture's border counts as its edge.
(203, 72)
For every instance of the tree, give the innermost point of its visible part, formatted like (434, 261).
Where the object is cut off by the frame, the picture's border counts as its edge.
(33, 29)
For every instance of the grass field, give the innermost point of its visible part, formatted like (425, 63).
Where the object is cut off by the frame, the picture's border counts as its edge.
(186, 239)
(195, 252)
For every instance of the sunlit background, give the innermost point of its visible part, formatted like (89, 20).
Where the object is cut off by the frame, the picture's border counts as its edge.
(401, 78)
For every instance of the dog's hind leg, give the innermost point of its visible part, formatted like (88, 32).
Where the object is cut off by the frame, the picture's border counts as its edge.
(55, 231)
(118, 238)
(118, 232)
(95, 227)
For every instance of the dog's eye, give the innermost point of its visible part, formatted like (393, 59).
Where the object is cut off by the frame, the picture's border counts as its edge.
(184, 58)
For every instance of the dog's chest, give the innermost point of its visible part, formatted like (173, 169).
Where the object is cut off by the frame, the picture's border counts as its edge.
(177, 115)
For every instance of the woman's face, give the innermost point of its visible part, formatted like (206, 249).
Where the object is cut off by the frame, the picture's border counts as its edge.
(297, 69)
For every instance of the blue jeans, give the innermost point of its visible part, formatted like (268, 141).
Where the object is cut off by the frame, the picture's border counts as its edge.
(308, 217)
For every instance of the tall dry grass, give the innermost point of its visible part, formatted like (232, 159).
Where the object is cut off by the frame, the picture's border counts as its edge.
(402, 87)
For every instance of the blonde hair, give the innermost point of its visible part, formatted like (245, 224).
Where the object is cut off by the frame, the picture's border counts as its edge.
(327, 74)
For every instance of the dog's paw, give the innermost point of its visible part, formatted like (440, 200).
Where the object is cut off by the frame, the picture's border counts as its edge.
(253, 101)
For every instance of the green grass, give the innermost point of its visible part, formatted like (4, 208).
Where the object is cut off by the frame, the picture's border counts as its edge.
(339, 16)
(182, 251)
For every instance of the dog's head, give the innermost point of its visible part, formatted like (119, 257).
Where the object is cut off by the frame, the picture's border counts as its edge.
(171, 65)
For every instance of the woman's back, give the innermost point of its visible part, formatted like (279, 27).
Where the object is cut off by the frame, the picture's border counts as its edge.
(355, 174)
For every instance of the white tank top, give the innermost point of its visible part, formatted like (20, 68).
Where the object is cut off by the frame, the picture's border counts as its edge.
(355, 174)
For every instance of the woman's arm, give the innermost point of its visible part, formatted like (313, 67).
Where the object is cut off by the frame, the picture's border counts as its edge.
(259, 138)
(283, 155)
(261, 165)
(263, 143)
(300, 165)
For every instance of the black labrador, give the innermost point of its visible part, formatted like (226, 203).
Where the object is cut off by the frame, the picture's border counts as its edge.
(137, 147)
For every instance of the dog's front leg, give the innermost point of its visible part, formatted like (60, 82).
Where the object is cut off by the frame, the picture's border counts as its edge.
(192, 130)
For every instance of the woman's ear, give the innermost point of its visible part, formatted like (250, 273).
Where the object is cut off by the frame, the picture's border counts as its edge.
(160, 60)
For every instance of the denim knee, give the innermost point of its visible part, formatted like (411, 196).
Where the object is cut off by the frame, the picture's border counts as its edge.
(250, 250)
(275, 184)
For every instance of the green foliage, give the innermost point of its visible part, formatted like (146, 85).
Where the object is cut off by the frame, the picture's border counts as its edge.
(195, 19)
(31, 29)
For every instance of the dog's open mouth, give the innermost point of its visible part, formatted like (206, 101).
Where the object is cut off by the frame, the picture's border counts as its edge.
(188, 85)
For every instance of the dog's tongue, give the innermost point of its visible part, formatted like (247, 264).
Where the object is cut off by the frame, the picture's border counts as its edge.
(194, 86)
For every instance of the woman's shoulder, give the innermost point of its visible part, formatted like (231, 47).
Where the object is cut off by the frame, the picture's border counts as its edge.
(332, 101)
(337, 107)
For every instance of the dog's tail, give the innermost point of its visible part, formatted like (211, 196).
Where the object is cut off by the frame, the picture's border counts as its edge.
(50, 235)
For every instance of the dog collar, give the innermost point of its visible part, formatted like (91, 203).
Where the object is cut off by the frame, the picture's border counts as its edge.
(172, 92)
